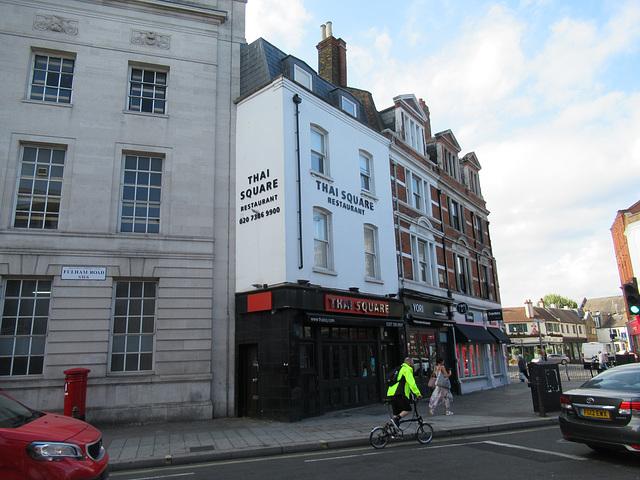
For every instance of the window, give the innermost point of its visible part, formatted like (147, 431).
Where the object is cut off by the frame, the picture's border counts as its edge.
(52, 79)
(462, 271)
(133, 326)
(349, 106)
(371, 252)
(480, 229)
(471, 362)
(23, 332)
(321, 239)
(456, 219)
(318, 152)
(302, 77)
(365, 173)
(147, 91)
(141, 189)
(485, 283)
(39, 188)
(474, 184)
(416, 192)
(425, 261)
(450, 164)
(414, 134)
(518, 328)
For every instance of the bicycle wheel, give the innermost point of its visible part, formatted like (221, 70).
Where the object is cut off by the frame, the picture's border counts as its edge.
(379, 437)
(424, 433)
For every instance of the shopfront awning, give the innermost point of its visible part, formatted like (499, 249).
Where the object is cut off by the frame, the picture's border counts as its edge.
(473, 334)
(500, 335)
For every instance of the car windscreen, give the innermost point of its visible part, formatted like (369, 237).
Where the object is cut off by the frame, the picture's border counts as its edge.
(616, 380)
(14, 414)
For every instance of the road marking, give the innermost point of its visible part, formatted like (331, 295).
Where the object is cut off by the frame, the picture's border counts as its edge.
(528, 449)
(165, 476)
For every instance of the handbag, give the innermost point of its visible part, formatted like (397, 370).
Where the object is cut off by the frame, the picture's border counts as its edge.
(443, 382)
(432, 382)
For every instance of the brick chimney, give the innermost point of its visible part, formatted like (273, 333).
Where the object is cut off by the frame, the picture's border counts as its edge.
(528, 309)
(332, 57)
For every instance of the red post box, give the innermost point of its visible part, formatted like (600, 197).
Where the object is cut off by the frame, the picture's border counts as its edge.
(75, 392)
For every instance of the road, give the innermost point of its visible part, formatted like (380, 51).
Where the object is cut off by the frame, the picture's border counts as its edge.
(532, 453)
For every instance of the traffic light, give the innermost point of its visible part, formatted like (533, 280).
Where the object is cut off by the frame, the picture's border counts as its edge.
(632, 297)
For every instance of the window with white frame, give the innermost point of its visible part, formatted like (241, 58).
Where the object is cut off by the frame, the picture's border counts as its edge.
(148, 90)
(485, 282)
(348, 106)
(133, 327)
(366, 179)
(371, 261)
(52, 78)
(425, 261)
(301, 76)
(23, 331)
(518, 328)
(451, 163)
(474, 184)
(417, 201)
(39, 188)
(462, 274)
(141, 194)
(319, 151)
(480, 228)
(414, 134)
(456, 215)
(322, 239)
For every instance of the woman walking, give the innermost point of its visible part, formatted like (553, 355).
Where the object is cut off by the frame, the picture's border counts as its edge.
(441, 394)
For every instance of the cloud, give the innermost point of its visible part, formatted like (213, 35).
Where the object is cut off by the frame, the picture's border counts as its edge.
(281, 22)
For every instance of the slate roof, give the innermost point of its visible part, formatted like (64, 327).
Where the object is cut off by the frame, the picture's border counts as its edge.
(261, 63)
(612, 305)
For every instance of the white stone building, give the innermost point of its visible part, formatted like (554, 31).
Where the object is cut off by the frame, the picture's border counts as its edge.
(117, 189)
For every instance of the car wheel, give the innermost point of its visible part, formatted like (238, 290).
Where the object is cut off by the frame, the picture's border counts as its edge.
(563, 362)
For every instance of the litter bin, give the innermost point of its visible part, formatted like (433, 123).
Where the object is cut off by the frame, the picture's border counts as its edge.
(546, 386)
(75, 392)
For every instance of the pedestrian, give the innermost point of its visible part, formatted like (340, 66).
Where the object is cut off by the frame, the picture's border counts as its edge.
(441, 394)
(603, 360)
(543, 356)
(400, 392)
(522, 366)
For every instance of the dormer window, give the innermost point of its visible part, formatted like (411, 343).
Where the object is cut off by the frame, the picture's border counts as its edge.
(302, 77)
(474, 184)
(451, 163)
(349, 106)
(414, 134)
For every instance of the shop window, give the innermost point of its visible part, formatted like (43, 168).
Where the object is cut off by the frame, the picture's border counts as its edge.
(471, 362)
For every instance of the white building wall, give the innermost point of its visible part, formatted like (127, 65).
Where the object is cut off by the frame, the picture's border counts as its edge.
(268, 247)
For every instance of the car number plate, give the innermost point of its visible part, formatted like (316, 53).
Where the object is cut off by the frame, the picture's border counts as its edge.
(594, 413)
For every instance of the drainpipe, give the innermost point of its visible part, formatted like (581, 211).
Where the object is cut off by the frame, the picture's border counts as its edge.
(444, 245)
(297, 100)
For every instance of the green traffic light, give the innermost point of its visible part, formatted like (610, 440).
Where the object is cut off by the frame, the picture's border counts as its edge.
(635, 309)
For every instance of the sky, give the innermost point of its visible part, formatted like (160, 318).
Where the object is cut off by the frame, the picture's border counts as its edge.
(545, 92)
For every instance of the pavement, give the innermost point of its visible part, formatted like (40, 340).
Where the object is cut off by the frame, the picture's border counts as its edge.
(152, 445)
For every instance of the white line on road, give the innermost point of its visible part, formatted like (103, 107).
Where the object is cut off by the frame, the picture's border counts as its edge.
(165, 476)
(529, 449)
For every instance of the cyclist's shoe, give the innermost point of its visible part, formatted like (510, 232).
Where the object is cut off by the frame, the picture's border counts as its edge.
(395, 423)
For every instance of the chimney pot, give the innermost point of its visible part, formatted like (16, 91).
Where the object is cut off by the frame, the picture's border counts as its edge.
(329, 30)
(323, 28)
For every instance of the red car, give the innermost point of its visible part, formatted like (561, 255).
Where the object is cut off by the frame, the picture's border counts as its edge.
(41, 446)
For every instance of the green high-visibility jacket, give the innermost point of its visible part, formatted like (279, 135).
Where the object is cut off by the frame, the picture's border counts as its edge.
(409, 382)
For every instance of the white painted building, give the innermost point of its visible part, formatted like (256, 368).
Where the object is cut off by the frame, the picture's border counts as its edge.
(117, 193)
(315, 243)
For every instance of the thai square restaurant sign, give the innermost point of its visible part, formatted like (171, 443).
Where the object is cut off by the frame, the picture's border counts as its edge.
(84, 273)
(359, 306)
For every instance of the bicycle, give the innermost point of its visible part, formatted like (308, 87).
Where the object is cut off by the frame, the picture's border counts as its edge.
(381, 435)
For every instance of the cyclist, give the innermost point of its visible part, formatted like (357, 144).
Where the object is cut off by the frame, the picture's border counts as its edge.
(401, 391)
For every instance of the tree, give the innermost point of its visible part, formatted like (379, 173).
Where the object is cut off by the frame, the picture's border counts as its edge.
(559, 301)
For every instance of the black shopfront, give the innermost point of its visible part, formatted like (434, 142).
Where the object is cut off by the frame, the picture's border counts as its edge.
(429, 335)
(303, 350)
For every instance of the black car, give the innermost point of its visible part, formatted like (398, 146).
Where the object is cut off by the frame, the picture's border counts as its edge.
(604, 412)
